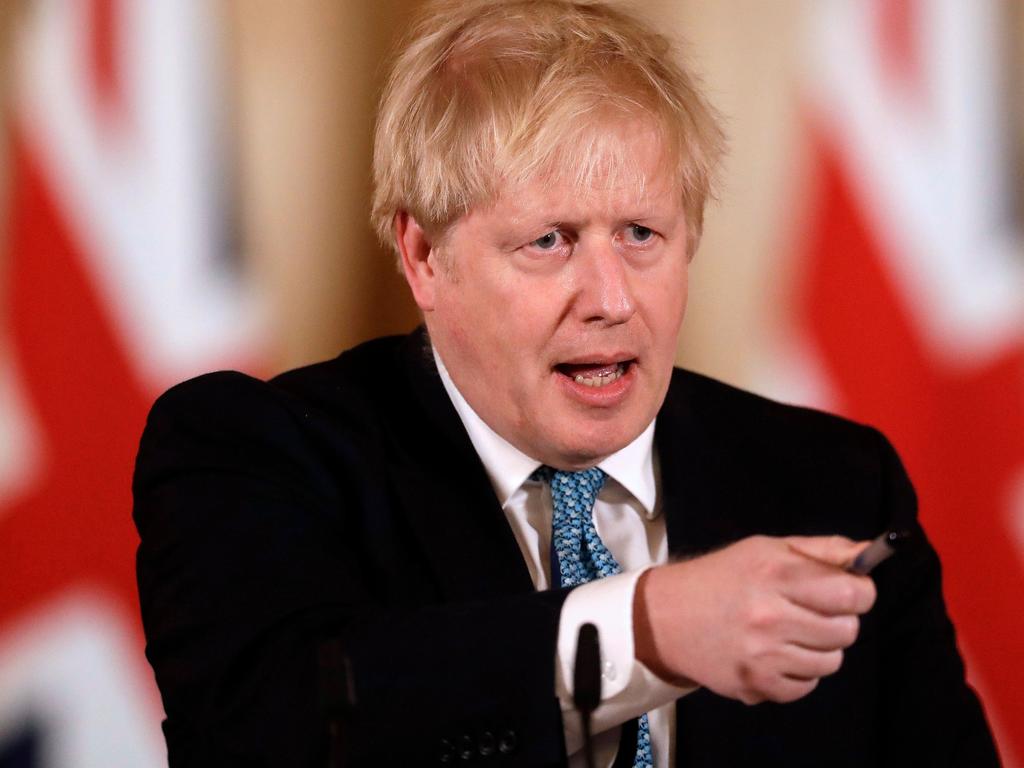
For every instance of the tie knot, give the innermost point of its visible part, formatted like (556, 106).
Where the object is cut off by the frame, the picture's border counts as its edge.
(582, 486)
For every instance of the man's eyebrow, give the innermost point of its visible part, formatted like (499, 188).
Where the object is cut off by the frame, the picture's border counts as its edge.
(529, 229)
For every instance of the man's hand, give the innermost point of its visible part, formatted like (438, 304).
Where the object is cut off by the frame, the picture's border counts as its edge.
(762, 619)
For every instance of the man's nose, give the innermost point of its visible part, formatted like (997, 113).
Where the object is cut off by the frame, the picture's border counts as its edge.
(606, 294)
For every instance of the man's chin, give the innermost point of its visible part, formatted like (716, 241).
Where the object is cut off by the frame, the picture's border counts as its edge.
(575, 454)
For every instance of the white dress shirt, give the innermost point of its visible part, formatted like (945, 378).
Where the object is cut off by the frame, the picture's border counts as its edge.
(628, 520)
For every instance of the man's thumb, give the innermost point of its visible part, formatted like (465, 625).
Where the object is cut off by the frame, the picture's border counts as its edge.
(832, 550)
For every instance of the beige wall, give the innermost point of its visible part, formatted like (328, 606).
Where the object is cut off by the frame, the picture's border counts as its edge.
(747, 52)
(9, 12)
(1015, 31)
(308, 72)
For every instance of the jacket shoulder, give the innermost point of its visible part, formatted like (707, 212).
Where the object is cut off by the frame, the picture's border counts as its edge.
(742, 413)
(367, 372)
(815, 470)
(227, 420)
(352, 378)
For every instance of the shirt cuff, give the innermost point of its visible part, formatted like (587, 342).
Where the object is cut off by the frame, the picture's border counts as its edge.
(628, 687)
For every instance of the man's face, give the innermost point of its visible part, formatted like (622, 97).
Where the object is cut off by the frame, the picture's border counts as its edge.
(557, 315)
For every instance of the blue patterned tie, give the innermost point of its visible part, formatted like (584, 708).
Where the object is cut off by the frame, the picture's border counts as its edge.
(582, 556)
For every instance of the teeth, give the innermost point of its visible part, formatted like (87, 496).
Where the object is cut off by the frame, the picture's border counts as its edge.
(603, 380)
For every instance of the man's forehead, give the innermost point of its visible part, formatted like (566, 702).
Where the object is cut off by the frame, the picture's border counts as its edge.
(567, 200)
(615, 170)
(640, 191)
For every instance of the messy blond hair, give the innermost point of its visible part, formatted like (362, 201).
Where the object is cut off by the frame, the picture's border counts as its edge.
(491, 93)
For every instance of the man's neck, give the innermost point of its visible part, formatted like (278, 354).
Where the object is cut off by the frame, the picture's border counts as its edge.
(632, 466)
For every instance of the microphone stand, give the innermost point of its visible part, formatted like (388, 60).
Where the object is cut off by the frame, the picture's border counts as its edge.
(586, 691)
(336, 697)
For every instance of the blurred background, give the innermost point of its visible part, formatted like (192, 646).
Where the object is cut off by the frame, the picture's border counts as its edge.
(184, 187)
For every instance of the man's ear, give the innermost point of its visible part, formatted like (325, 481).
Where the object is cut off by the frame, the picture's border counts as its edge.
(415, 249)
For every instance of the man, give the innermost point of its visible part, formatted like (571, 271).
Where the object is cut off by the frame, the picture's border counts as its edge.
(450, 507)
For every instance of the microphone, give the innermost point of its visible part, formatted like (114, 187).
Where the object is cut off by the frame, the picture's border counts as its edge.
(337, 697)
(586, 689)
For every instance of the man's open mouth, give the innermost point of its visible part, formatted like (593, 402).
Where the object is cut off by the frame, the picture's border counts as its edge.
(594, 374)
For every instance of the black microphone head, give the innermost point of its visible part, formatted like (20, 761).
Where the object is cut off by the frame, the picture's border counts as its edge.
(587, 672)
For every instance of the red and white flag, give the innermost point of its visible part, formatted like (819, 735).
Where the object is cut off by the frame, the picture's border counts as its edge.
(911, 303)
(117, 283)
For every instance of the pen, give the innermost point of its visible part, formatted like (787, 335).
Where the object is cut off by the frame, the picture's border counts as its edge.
(880, 550)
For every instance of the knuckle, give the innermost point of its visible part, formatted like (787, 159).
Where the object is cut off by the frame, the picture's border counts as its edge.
(789, 571)
(847, 596)
(750, 698)
(870, 595)
(751, 648)
(833, 662)
(762, 617)
(763, 567)
(849, 629)
(786, 569)
(766, 556)
(808, 686)
(763, 690)
(795, 689)
(787, 695)
(748, 691)
(785, 692)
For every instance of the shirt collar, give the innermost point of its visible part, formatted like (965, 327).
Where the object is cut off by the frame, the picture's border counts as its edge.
(508, 467)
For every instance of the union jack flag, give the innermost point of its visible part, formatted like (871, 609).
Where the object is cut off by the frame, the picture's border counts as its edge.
(117, 285)
(911, 304)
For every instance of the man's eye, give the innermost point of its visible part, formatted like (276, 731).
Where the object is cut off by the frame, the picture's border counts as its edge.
(639, 233)
(548, 241)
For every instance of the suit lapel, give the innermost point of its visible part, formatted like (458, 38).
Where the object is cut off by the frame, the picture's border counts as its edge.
(684, 492)
(692, 471)
(446, 492)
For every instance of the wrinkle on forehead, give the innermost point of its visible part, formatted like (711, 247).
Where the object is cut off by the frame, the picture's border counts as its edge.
(600, 154)
(604, 168)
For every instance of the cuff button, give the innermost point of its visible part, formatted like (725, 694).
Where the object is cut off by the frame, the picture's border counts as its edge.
(608, 671)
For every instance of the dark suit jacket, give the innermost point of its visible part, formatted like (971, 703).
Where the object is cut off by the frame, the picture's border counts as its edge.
(345, 500)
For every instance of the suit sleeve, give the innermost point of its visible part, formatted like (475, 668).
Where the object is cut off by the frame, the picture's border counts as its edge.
(245, 574)
(931, 716)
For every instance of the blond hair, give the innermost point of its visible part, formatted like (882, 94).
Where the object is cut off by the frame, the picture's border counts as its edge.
(489, 93)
